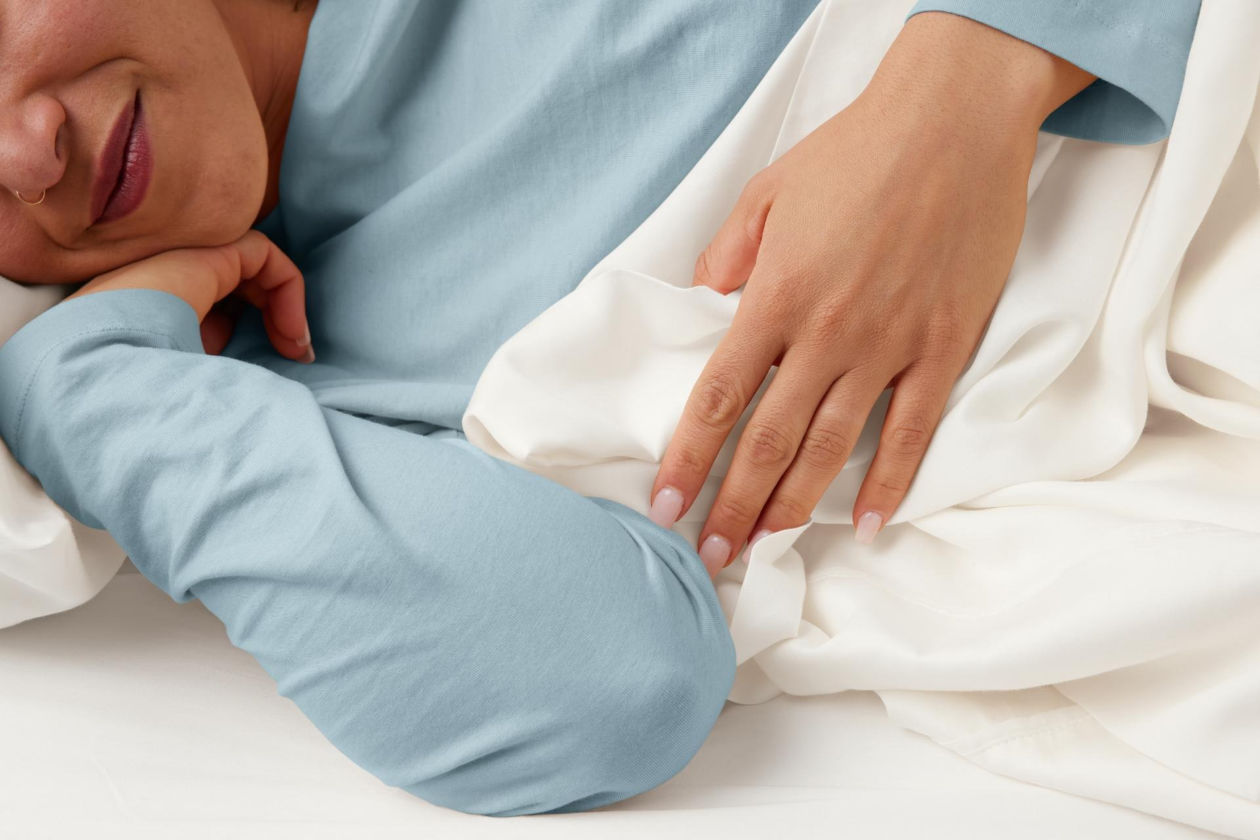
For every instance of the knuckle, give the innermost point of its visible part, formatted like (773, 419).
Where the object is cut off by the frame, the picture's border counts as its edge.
(845, 322)
(703, 271)
(751, 229)
(830, 318)
(767, 446)
(223, 265)
(885, 338)
(687, 462)
(942, 351)
(718, 402)
(935, 362)
(909, 438)
(825, 448)
(771, 308)
(893, 485)
(758, 185)
(948, 324)
(221, 260)
(733, 510)
(790, 510)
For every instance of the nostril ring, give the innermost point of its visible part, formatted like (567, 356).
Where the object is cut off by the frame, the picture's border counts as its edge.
(42, 196)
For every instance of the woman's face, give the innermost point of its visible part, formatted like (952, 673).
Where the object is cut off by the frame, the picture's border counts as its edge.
(68, 70)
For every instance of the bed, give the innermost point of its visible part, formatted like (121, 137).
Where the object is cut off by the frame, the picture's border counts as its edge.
(91, 751)
(134, 717)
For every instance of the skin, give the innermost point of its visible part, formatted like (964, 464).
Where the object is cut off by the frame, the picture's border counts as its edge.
(217, 78)
(871, 254)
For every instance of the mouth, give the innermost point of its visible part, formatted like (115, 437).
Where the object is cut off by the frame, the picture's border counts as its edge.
(125, 167)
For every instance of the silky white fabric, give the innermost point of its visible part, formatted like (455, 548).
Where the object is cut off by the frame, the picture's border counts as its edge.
(1067, 595)
(49, 561)
(1070, 592)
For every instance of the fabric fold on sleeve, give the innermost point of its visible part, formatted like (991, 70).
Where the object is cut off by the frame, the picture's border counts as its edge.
(32, 361)
(1136, 48)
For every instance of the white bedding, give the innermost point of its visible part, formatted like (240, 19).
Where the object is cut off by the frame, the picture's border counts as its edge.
(49, 561)
(1070, 593)
(134, 718)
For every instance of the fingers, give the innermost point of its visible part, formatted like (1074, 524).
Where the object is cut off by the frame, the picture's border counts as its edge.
(254, 250)
(271, 281)
(219, 324)
(764, 452)
(727, 262)
(917, 403)
(253, 266)
(828, 442)
(722, 391)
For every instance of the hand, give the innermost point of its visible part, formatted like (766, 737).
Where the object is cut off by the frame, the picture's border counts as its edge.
(872, 255)
(252, 267)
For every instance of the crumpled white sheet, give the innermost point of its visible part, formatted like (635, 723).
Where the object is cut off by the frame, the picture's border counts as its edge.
(1070, 593)
(49, 561)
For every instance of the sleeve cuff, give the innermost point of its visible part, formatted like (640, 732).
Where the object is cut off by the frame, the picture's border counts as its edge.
(146, 317)
(1137, 49)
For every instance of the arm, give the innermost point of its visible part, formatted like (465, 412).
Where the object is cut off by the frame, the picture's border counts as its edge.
(871, 255)
(1136, 48)
(469, 631)
(110, 402)
(858, 278)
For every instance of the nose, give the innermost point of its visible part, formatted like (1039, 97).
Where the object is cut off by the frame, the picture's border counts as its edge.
(31, 157)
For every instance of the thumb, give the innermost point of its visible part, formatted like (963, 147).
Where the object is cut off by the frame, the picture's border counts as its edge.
(729, 259)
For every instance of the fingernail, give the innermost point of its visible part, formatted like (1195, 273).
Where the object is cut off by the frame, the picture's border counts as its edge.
(308, 357)
(714, 553)
(666, 507)
(867, 526)
(752, 542)
(305, 340)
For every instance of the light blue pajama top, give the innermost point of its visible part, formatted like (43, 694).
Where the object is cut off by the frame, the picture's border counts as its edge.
(467, 631)
(453, 168)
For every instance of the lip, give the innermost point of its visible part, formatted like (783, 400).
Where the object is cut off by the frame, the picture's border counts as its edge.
(125, 166)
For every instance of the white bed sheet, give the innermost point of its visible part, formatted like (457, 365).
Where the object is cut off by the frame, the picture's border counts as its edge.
(1067, 595)
(134, 717)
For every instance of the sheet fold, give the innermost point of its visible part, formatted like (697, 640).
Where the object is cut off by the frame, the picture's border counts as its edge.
(1068, 594)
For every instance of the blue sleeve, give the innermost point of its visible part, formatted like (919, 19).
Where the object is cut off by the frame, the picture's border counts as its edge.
(1136, 48)
(464, 629)
(109, 400)
(83, 334)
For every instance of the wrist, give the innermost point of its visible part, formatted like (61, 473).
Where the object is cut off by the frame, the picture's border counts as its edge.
(950, 70)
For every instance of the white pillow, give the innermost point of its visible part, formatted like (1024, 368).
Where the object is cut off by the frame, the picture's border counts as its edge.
(49, 562)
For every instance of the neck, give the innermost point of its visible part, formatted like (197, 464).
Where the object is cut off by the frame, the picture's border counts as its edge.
(270, 38)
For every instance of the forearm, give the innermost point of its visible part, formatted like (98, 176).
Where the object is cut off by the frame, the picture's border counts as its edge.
(392, 584)
(1137, 49)
(950, 70)
(109, 401)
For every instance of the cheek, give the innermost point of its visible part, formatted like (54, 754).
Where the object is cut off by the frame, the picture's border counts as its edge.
(26, 255)
(232, 187)
(217, 164)
(29, 257)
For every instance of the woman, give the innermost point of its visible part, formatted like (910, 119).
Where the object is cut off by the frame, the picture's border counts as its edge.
(433, 176)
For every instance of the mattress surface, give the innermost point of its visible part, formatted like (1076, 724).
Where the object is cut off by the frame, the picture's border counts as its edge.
(134, 717)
